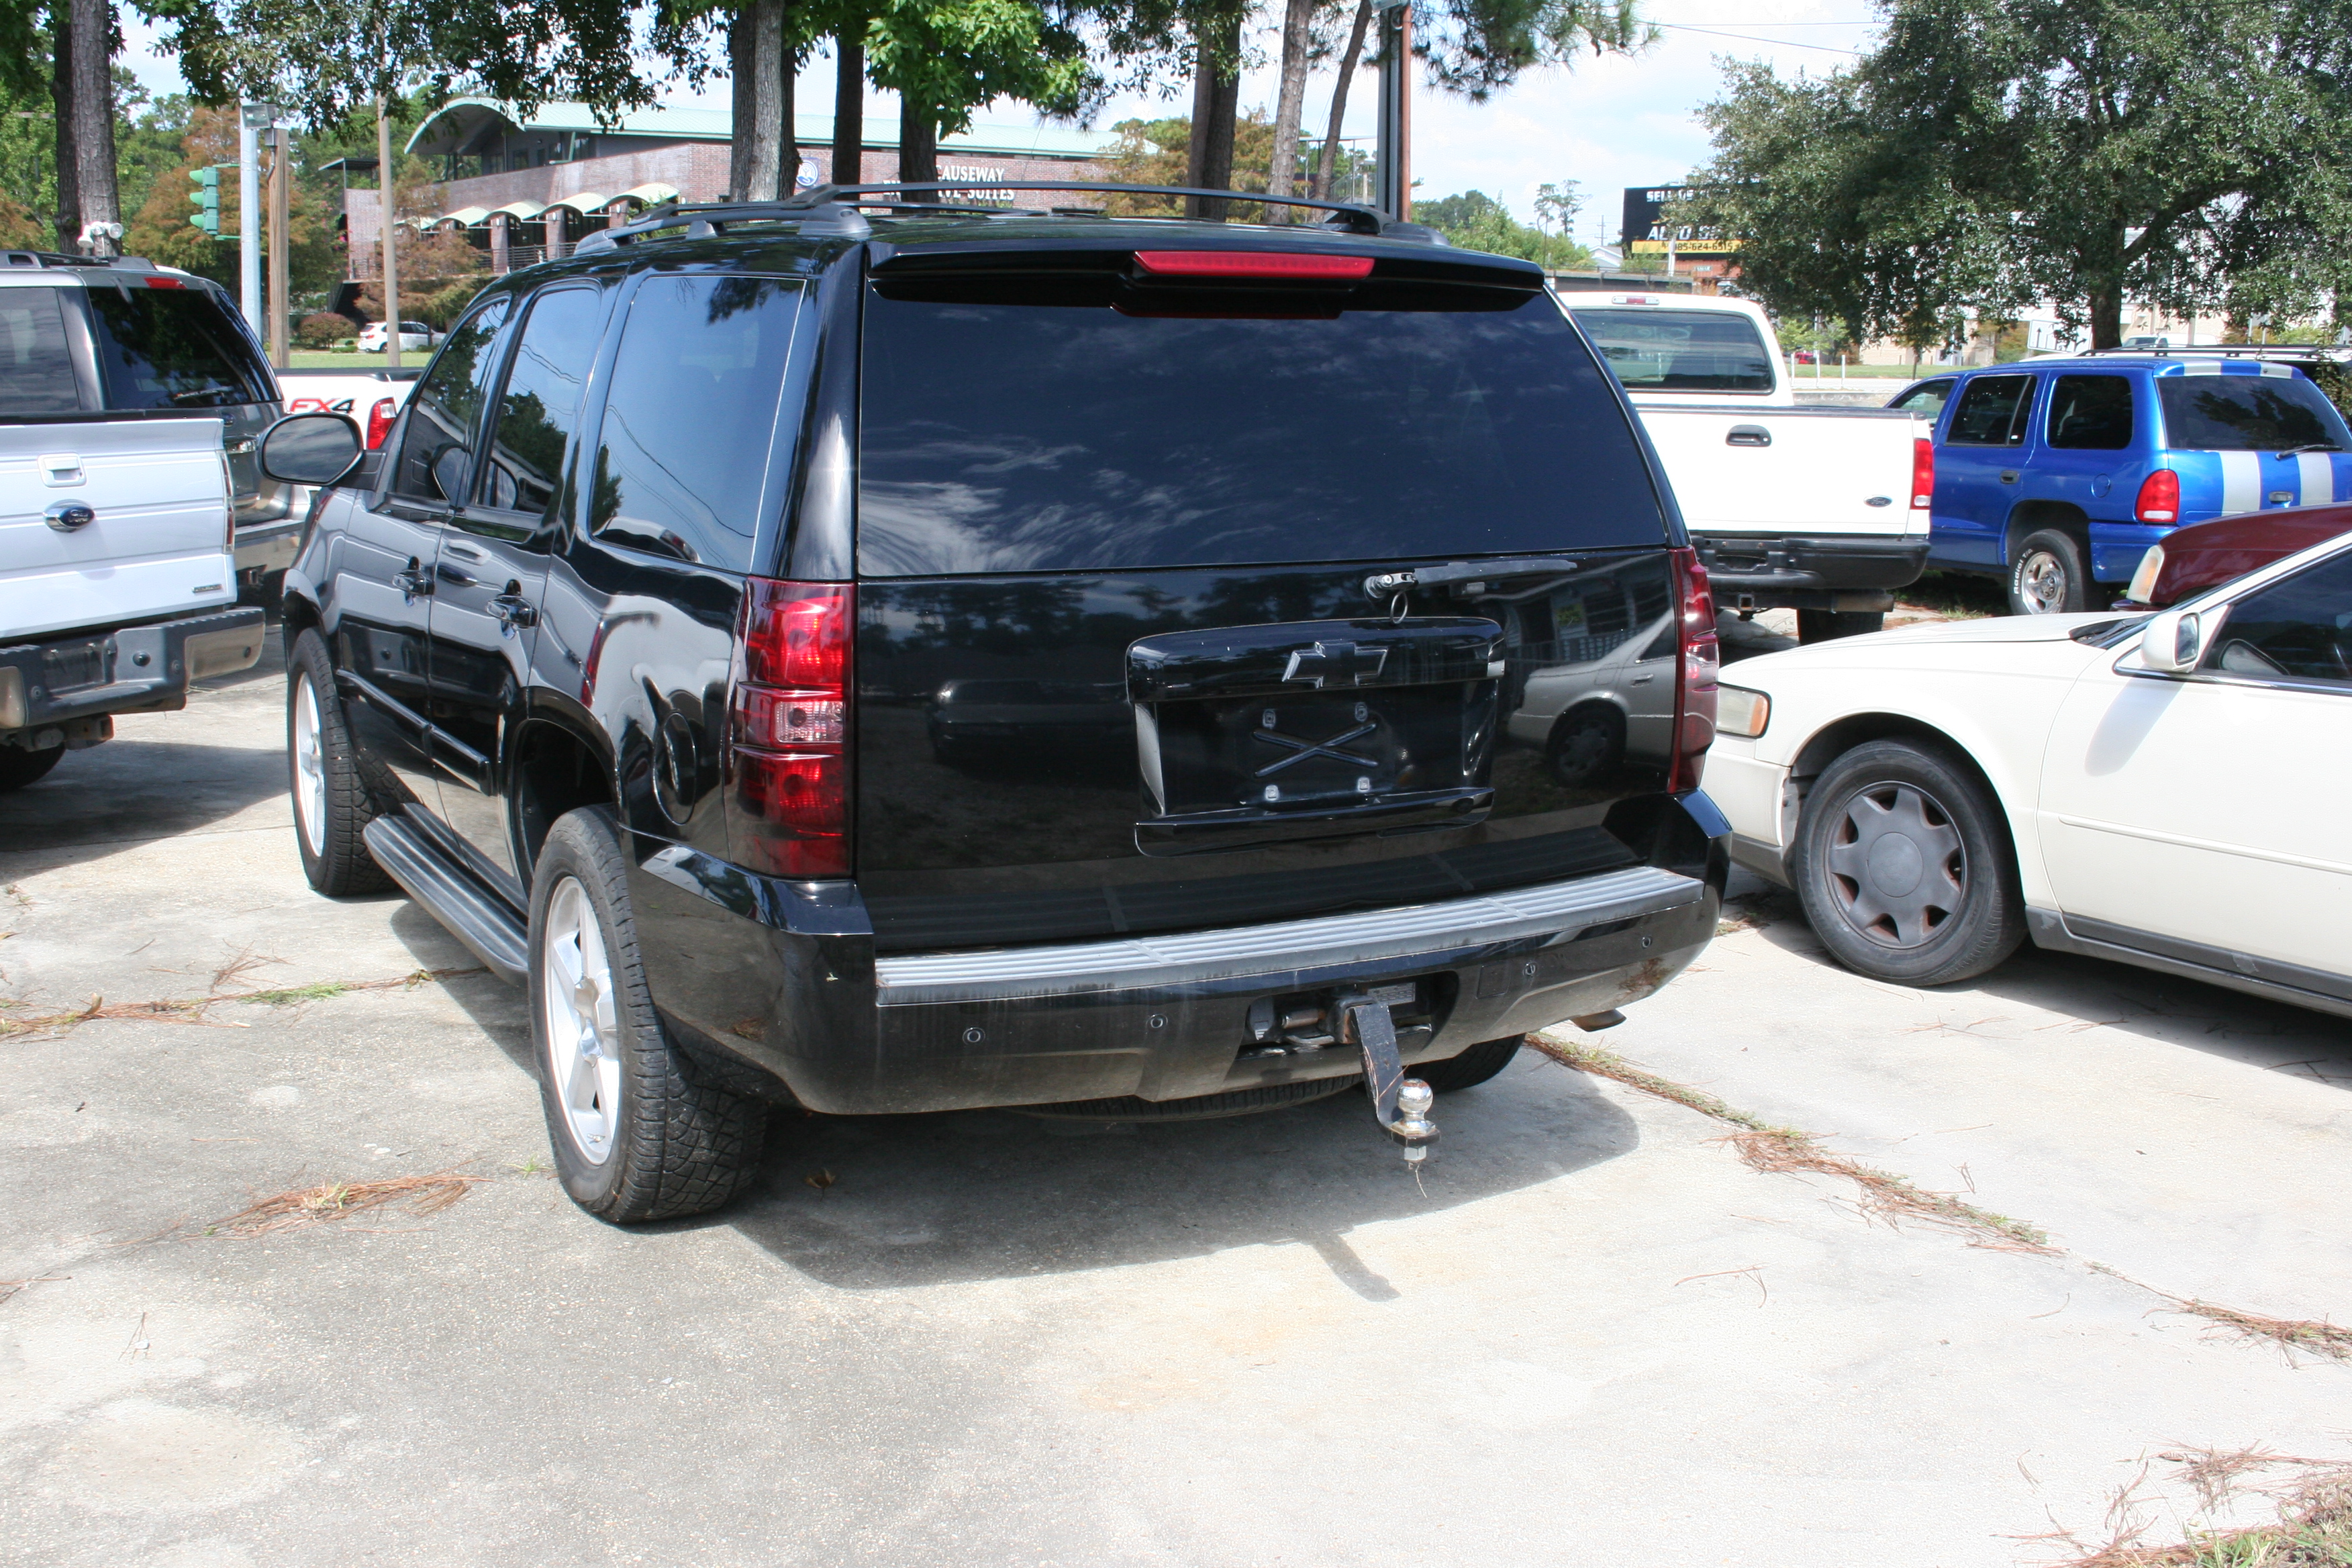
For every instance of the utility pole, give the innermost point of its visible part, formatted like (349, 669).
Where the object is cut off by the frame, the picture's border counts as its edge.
(383, 185)
(250, 117)
(1393, 156)
(281, 203)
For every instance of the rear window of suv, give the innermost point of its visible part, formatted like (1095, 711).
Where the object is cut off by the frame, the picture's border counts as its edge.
(172, 347)
(2248, 413)
(37, 374)
(1000, 435)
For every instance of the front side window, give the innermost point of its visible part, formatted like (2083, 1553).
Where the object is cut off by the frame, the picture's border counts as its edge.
(1992, 412)
(37, 374)
(539, 409)
(436, 447)
(1680, 351)
(172, 347)
(2091, 413)
(1926, 399)
(2249, 414)
(2299, 628)
(683, 451)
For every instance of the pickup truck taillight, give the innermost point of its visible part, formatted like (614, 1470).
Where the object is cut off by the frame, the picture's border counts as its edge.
(380, 419)
(1923, 474)
(788, 761)
(2159, 497)
(1695, 673)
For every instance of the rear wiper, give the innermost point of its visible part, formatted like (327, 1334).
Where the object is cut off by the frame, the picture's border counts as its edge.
(2309, 446)
(1388, 584)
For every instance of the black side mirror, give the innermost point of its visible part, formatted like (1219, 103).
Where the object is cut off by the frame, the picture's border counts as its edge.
(312, 449)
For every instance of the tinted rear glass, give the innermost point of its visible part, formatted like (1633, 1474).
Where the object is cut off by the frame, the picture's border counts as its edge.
(35, 373)
(1991, 411)
(1015, 437)
(2247, 413)
(172, 347)
(1681, 351)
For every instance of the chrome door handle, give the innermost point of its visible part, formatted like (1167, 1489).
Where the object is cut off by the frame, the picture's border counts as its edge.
(1749, 436)
(512, 611)
(412, 582)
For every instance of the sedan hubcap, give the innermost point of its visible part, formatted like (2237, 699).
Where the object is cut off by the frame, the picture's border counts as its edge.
(2042, 583)
(309, 765)
(1898, 868)
(583, 1036)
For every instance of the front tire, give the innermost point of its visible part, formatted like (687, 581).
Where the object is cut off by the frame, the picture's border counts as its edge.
(636, 1136)
(332, 806)
(1471, 1069)
(1905, 865)
(19, 767)
(2047, 576)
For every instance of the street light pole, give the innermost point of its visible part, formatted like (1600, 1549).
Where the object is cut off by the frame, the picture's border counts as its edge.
(383, 187)
(250, 118)
(1392, 159)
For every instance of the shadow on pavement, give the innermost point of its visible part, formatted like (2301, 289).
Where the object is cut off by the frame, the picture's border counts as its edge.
(130, 791)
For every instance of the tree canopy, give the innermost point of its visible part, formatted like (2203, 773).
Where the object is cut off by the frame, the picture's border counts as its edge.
(1989, 155)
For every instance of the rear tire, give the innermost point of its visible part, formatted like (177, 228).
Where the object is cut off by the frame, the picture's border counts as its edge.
(19, 767)
(1905, 865)
(638, 1134)
(1471, 1069)
(2047, 576)
(1826, 626)
(332, 806)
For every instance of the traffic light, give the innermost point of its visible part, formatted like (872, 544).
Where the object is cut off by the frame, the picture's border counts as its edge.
(206, 199)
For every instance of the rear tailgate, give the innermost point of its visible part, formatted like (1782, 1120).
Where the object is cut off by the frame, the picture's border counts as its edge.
(1746, 469)
(1118, 667)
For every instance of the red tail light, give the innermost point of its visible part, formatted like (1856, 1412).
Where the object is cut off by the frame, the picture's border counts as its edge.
(2159, 497)
(1923, 474)
(1249, 264)
(1695, 673)
(379, 420)
(788, 762)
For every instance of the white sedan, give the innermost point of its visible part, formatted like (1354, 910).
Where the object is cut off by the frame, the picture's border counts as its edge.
(415, 337)
(2167, 791)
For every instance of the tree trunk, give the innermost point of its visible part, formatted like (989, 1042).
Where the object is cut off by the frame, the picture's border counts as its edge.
(69, 215)
(1216, 104)
(755, 56)
(1290, 105)
(2107, 318)
(919, 146)
(1327, 167)
(93, 114)
(788, 137)
(849, 105)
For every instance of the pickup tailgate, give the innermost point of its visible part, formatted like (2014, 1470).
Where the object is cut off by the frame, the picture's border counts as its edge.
(1748, 470)
(156, 541)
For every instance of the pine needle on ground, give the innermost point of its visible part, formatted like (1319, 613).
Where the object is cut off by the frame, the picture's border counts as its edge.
(341, 1200)
(194, 1009)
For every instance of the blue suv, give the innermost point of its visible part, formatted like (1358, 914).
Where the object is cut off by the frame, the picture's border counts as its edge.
(2059, 473)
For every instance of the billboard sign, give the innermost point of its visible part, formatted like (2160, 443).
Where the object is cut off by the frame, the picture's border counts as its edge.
(1650, 222)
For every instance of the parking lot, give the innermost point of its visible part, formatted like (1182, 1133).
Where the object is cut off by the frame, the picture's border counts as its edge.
(1588, 1332)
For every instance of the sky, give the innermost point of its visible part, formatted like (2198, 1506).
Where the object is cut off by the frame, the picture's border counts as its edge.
(1608, 123)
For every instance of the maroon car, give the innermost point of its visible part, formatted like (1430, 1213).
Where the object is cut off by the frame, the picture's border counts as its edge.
(2193, 559)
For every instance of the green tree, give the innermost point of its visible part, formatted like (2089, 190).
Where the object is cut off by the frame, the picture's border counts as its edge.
(1477, 221)
(946, 58)
(1990, 153)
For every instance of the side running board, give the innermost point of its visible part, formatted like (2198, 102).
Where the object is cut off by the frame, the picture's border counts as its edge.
(473, 915)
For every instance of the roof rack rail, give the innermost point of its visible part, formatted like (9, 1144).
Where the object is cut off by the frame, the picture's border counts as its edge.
(2339, 351)
(833, 209)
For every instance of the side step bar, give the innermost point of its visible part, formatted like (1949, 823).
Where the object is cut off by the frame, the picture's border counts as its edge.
(473, 915)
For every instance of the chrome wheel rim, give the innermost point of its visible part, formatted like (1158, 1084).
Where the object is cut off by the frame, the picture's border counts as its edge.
(2042, 583)
(1897, 870)
(310, 766)
(583, 1034)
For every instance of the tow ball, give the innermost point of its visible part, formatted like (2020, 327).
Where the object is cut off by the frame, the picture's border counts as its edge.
(1399, 1103)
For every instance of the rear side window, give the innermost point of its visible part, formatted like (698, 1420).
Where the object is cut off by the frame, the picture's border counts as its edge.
(37, 374)
(1681, 351)
(2091, 413)
(172, 347)
(437, 444)
(1926, 399)
(683, 453)
(1019, 436)
(539, 408)
(2248, 413)
(1992, 412)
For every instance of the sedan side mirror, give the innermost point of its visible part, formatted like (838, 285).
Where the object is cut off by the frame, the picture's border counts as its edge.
(312, 449)
(2174, 641)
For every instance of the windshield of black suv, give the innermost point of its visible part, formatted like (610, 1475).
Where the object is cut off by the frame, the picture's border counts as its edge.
(1007, 435)
(2249, 414)
(172, 347)
(1680, 351)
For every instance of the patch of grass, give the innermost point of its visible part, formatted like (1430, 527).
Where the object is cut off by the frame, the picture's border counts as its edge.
(193, 1009)
(2320, 1338)
(317, 991)
(2313, 1528)
(1955, 595)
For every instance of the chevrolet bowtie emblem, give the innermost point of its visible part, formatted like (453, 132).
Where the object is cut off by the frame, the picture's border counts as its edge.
(1334, 664)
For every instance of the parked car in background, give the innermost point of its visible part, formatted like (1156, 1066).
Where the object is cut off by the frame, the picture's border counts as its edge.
(117, 587)
(629, 656)
(1819, 510)
(2058, 474)
(103, 341)
(415, 337)
(2161, 789)
(2206, 554)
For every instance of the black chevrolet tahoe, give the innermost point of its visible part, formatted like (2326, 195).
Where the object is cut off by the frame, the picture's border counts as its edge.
(876, 657)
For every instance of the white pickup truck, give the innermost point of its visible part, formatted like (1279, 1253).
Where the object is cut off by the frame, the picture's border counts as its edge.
(118, 576)
(1819, 510)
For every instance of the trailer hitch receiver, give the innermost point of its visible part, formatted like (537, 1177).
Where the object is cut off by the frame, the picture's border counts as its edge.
(1399, 1103)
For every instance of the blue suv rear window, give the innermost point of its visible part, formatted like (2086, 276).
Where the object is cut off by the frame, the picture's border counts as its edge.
(2248, 413)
